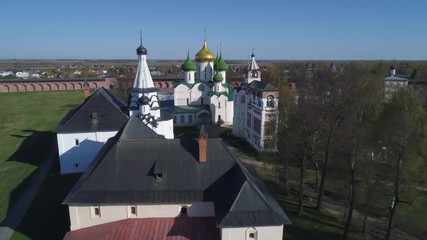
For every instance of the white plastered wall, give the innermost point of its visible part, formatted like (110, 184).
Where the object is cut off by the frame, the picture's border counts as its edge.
(261, 233)
(77, 150)
(83, 216)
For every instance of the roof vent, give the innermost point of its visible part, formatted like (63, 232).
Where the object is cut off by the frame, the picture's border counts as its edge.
(94, 116)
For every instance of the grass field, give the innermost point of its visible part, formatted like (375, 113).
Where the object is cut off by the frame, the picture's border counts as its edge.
(26, 123)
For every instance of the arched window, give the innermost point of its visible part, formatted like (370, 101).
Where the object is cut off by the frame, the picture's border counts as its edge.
(251, 234)
(182, 119)
(270, 101)
(242, 98)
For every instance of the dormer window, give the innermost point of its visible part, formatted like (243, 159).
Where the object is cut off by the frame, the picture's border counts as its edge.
(251, 234)
(158, 176)
(159, 170)
(94, 116)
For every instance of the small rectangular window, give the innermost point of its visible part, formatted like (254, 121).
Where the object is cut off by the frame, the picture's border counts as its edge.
(76, 142)
(133, 210)
(97, 211)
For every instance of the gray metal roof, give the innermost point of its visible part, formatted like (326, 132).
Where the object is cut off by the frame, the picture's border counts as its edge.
(264, 86)
(126, 172)
(186, 109)
(136, 129)
(396, 78)
(100, 112)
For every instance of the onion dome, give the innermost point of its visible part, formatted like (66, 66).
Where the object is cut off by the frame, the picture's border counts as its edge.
(188, 65)
(205, 55)
(218, 78)
(144, 100)
(220, 65)
(141, 50)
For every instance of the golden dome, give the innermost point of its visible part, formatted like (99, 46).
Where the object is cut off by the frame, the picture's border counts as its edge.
(205, 55)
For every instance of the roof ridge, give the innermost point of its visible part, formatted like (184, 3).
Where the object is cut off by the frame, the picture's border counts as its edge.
(112, 99)
(253, 185)
(107, 148)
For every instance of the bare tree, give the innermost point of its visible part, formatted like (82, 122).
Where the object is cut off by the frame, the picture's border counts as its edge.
(403, 120)
(301, 133)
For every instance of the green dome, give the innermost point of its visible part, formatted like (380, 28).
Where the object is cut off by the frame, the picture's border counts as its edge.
(218, 77)
(220, 65)
(188, 65)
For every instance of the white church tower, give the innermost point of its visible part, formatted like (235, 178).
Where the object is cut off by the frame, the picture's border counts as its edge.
(144, 102)
(252, 72)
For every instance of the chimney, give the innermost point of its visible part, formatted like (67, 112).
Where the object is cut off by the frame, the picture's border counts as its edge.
(86, 89)
(203, 145)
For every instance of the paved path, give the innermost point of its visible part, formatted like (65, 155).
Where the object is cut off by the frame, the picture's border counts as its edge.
(17, 211)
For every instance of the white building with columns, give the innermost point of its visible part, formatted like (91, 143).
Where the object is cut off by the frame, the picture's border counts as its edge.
(203, 96)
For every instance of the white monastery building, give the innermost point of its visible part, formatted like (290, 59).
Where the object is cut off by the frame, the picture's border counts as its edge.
(256, 110)
(84, 130)
(142, 185)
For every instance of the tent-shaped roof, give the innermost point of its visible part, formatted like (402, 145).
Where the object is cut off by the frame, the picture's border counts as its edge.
(100, 112)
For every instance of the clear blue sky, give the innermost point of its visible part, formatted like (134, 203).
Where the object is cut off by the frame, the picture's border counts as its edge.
(276, 29)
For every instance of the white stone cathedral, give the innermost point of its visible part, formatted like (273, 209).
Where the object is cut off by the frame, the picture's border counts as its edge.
(203, 96)
(144, 101)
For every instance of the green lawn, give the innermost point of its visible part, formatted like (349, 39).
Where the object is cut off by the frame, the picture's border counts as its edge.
(312, 225)
(26, 123)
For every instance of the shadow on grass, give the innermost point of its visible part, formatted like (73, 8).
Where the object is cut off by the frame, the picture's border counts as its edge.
(43, 217)
(34, 148)
(47, 218)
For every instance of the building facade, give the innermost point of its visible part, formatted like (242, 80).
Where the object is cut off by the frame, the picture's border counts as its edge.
(256, 113)
(145, 178)
(203, 96)
(394, 82)
(84, 130)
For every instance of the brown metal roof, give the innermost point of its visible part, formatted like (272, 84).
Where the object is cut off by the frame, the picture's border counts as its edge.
(180, 228)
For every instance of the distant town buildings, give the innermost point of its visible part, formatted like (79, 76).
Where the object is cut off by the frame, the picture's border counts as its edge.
(394, 82)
